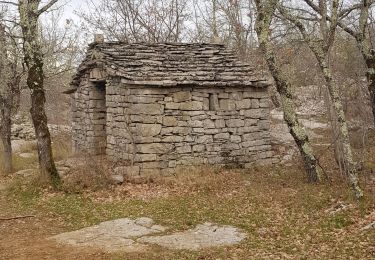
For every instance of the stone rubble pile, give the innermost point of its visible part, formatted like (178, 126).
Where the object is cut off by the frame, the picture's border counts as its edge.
(23, 129)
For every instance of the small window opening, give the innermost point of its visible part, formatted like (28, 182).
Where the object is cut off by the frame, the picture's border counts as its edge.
(213, 102)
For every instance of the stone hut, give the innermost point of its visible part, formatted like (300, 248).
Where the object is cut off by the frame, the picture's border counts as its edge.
(158, 106)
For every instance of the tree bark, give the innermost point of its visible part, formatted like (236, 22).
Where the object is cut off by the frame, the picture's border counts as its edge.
(321, 49)
(349, 164)
(29, 14)
(263, 21)
(5, 133)
(5, 104)
(364, 45)
(362, 37)
(370, 62)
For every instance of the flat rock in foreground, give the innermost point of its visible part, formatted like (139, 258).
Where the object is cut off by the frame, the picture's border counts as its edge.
(134, 235)
(113, 235)
(203, 236)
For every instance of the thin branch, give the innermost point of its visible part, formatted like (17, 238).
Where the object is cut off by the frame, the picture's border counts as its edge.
(46, 7)
(8, 3)
(18, 217)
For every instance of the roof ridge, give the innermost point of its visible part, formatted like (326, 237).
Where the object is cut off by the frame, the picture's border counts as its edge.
(202, 64)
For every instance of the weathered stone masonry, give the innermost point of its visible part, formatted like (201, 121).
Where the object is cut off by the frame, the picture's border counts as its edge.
(154, 128)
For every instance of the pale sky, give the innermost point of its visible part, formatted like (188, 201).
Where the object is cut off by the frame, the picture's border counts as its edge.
(71, 7)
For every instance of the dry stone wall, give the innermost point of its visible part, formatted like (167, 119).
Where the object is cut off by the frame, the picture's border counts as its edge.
(157, 130)
(89, 119)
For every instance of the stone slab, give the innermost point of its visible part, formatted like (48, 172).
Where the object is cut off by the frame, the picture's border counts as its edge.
(135, 235)
(203, 236)
(113, 235)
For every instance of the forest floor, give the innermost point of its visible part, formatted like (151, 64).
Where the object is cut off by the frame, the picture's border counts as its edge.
(282, 215)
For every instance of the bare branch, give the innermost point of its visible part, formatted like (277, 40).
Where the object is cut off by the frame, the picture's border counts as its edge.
(18, 217)
(8, 3)
(46, 7)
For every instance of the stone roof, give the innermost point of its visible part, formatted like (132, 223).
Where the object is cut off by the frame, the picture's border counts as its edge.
(170, 64)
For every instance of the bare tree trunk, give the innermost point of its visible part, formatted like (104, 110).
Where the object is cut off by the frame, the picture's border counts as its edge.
(5, 134)
(348, 160)
(5, 104)
(362, 37)
(368, 54)
(29, 14)
(265, 15)
(336, 138)
(371, 80)
(321, 49)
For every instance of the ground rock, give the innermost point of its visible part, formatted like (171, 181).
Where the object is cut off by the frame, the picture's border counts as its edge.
(369, 226)
(203, 236)
(145, 222)
(117, 179)
(26, 155)
(110, 235)
(26, 173)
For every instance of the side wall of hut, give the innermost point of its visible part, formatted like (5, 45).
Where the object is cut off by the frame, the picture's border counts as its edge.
(156, 130)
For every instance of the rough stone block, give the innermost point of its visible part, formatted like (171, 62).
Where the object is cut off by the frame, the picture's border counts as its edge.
(264, 103)
(170, 121)
(181, 96)
(230, 146)
(195, 123)
(222, 136)
(173, 139)
(154, 148)
(227, 104)
(223, 95)
(211, 131)
(248, 129)
(236, 96)
(147, 109)
(235, 123)
(264, 125)
(172, 106)
(251, 122)
(198, 148)
(148, 130)
(184, 149)
(254, 103)
(175, 130)
(235, 139)
(146, 119)
(205, 139)
(198, 130)
(253, 143)
(243, 104)
(200, 93)
(192, 106)
(142, 99)
(253, 113)
(208, 123)
(254, 93)
(220, 123)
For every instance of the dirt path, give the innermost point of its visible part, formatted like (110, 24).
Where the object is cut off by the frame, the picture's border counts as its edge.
(26, 238)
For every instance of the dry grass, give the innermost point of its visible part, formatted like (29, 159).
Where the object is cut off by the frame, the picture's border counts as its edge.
(91, 174)
(284, 217)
